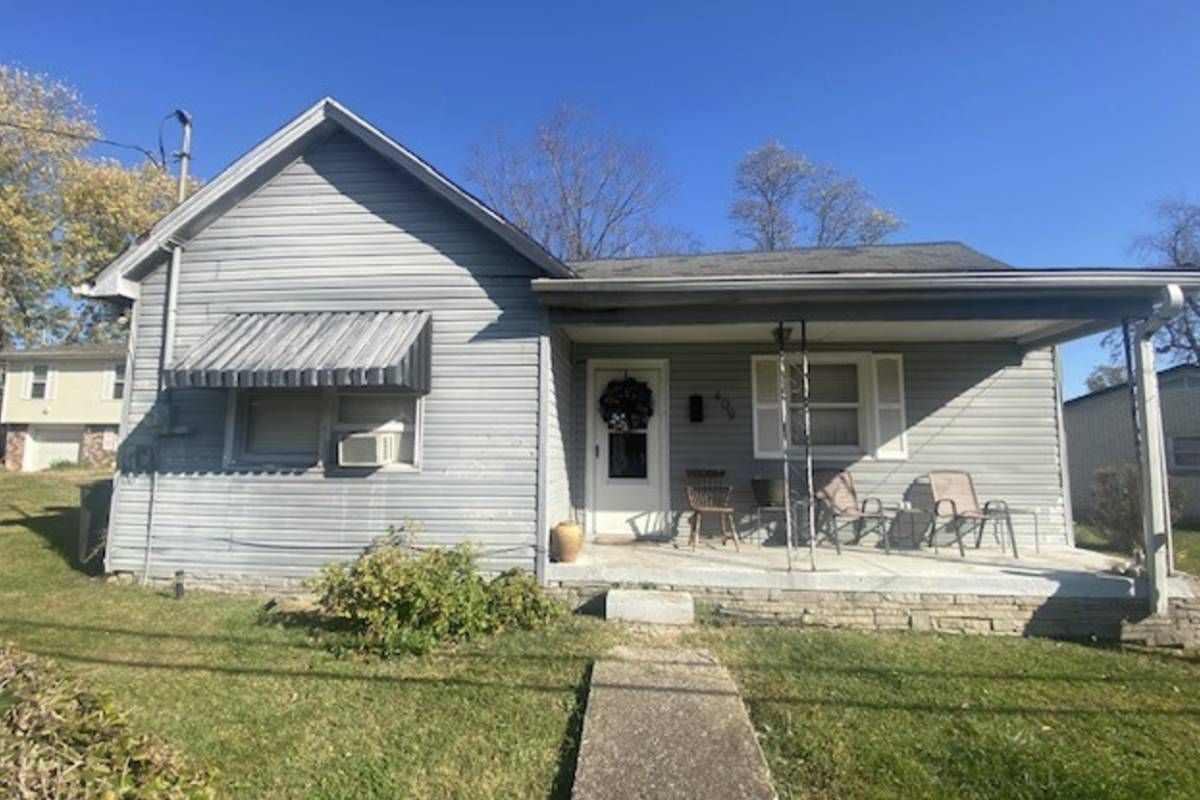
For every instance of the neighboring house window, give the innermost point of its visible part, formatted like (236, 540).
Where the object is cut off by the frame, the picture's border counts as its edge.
(856, 405)
(39, 382)
(288, 428)
(118, 384)
(1185, 453)
(396, 414)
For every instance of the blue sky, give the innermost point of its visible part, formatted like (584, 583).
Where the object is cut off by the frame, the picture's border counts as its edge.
(1036, 132)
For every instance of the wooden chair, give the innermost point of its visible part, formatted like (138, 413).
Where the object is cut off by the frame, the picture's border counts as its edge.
(707, 493)
(954, 499)
(838, 505)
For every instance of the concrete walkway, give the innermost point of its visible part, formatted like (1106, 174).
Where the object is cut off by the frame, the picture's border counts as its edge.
(667, 723)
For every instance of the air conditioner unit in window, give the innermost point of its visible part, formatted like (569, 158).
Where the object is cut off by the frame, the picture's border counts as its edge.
(373, 449)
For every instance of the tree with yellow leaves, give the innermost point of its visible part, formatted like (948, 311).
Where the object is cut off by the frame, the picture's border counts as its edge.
(63, 213)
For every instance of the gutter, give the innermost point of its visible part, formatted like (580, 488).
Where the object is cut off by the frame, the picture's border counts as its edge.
(926, 281)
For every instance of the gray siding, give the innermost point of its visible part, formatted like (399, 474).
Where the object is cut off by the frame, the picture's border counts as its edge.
(976, 407)
(340, 229)
(560, 420)
(1100, 434)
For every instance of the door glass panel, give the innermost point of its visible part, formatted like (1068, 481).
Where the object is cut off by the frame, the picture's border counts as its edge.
(627, 454)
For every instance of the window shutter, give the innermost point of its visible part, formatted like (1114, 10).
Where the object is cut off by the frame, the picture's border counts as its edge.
(764, 379)
(891, 437)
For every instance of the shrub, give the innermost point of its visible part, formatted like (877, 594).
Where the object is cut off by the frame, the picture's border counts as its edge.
(62, 464)
(1117, 506)
(398, 601)
(57, 740)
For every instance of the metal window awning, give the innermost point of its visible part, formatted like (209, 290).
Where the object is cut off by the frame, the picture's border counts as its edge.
(323, 348)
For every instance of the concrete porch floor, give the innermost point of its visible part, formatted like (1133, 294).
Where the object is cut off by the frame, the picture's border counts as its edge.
(1057, 572)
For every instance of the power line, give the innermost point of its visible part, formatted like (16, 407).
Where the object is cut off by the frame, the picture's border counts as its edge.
(82, 137)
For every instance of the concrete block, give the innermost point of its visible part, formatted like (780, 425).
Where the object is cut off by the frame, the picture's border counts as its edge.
(650, 607)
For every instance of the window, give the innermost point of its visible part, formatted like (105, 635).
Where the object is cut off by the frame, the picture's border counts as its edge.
(39, 382)
(118, 382)
(358, 412)
(1185, 452)
(298, 427)
(856, 405)
(279, 427)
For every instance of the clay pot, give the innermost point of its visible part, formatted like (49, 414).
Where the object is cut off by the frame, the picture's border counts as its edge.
(565, 541)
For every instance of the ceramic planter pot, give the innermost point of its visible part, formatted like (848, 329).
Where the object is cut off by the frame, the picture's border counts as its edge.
(768, 491)
(565, 541)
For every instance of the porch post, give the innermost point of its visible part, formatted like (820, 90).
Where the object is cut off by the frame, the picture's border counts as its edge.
(1155, 508)
(788, 522)
(808, 460)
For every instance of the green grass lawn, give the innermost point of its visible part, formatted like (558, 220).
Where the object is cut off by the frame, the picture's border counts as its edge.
(1187, 545)
(842, 715)
(849, 715)
(275, 713)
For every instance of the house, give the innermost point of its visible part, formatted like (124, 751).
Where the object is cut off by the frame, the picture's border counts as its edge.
(1099, 429)
(62, 403)
(354, 344)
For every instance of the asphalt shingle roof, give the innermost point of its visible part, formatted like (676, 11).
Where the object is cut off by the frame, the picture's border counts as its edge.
(91, 350)
(917, 257)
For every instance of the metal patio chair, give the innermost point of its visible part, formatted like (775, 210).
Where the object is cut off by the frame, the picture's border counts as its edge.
(838, 506)
(955, 499)
(707, 493)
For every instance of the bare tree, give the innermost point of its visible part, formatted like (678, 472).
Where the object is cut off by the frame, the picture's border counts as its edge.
(579, 189)
(781, 197)
(1105, 375)
(1176, 244)
(767, 183)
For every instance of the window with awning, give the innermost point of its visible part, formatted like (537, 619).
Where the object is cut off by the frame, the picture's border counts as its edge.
(310, 349)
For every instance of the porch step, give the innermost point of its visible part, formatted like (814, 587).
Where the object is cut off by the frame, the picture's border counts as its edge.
(669, 725)
(650, 607)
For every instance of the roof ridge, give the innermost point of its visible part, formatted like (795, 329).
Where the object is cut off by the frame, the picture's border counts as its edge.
(803, 249)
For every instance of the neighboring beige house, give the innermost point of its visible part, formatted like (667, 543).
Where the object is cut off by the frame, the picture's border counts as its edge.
(1100, 434)
(62, 404)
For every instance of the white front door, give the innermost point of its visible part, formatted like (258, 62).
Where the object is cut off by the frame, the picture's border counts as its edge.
(627, 469)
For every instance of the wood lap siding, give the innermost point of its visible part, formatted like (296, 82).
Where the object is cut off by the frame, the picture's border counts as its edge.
(340, 229)
(976, 407)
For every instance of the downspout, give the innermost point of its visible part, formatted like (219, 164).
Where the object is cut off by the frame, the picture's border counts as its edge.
(1156, 517)
(162, 398)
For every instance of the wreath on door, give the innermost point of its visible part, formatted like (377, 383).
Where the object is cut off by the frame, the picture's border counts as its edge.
(626, 404)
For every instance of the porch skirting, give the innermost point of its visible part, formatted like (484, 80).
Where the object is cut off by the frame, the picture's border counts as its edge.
(1098, 619)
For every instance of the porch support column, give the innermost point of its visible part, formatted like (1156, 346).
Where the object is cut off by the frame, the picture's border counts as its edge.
(789, 522)
(1155, 508)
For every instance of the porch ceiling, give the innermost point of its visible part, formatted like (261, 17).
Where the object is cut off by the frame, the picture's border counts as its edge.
(822, 332)
(1029, 308)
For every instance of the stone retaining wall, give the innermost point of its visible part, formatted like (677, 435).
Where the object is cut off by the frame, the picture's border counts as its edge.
(1078, 618)
(14, 447)
(99, 446)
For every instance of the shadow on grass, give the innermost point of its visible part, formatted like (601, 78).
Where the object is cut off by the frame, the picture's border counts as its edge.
(58, 527)
(568, 750)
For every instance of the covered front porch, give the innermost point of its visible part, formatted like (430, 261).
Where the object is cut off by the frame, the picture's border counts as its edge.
(1052, 572)
(909, 380)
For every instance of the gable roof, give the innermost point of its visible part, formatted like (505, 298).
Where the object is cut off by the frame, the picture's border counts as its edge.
(266, 160)
(1170, 372)
(882, 258)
